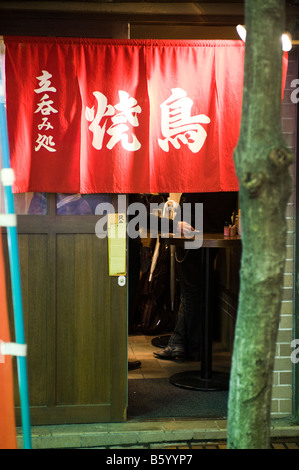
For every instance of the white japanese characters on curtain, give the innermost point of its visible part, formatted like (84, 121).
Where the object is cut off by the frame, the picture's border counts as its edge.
(123, 116)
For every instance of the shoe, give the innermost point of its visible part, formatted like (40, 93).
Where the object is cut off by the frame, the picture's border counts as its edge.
(132, 365)
(171, 353)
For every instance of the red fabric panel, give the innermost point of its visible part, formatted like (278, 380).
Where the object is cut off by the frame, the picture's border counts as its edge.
(210, 73)
(43, 124)
(115, 122)
(122, 116)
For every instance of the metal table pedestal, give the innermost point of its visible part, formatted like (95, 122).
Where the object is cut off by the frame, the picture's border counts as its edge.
(206, 379)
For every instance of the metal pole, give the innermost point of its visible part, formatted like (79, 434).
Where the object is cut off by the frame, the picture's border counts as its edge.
(15, 276)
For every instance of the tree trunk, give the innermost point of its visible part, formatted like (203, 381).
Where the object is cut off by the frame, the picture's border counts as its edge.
(262, 162)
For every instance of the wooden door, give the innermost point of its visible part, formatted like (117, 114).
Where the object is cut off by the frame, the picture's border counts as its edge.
(75, 321)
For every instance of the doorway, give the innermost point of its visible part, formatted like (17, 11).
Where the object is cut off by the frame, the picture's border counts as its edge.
(150, 393)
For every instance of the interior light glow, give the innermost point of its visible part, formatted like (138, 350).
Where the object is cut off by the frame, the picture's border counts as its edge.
(241, 32)
(286, 39)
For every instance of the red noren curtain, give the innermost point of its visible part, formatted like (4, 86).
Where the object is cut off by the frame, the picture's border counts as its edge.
(122, 116)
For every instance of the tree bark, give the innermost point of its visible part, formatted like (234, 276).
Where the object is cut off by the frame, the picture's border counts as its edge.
(262, 163)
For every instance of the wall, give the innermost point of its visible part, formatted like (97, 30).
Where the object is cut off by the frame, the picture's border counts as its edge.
(283, 368)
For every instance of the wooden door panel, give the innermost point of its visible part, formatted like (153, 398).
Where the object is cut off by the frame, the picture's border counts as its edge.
(83, 321)
(91, 330)
(34, 269)
(76, 329)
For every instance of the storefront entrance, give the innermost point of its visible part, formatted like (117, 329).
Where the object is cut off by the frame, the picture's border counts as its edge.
(86, 380)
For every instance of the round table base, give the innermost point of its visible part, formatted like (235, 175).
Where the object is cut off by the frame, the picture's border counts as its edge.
(192, 380)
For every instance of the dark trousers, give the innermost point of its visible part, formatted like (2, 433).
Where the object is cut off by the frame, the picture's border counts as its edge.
(186, 334)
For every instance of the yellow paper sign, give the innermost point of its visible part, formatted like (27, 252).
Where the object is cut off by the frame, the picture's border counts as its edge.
(117, 244)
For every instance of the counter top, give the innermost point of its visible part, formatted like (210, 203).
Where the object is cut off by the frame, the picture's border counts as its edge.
(210, 240)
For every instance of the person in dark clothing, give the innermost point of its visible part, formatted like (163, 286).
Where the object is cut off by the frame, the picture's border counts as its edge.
(184, 342)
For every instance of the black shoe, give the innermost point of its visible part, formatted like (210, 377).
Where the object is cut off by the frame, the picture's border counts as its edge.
(132, 365)
(171, 353)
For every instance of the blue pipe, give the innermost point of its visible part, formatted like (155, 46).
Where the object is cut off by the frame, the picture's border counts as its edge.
(15, 280)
